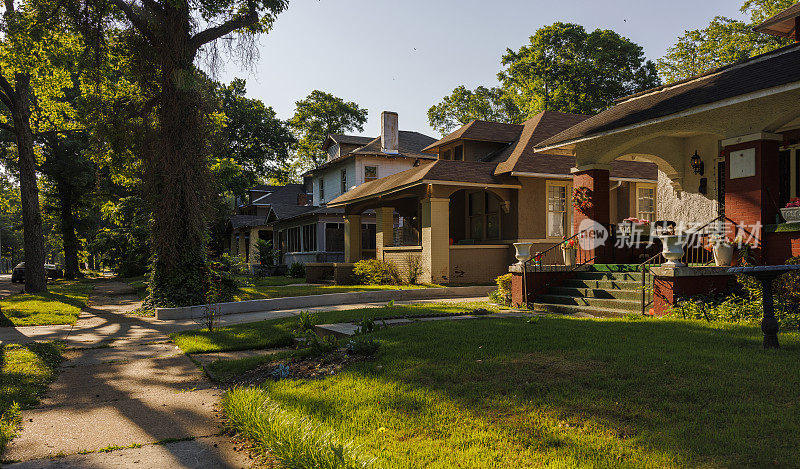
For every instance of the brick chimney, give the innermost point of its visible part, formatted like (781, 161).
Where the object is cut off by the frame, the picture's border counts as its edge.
(302, 199)
(389, 134)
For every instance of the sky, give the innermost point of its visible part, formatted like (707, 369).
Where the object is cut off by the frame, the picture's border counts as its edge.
(405, 56)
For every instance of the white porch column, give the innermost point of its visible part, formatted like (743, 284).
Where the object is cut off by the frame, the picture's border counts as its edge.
(255, 258)
(352, 238)
(436, 240)
(384, 230)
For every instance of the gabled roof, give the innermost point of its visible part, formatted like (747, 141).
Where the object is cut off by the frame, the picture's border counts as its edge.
(439, 171)
(771, 70)
(240, 221)
(410, 145)
(286, 194)
(342, 139)
(278, 212)
(783, 24)
(481, 131)
(540, 127)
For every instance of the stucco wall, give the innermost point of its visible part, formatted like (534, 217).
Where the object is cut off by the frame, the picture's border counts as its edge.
(479, 264)
(683, 207)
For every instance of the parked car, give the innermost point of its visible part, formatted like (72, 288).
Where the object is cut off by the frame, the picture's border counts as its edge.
(52, 270)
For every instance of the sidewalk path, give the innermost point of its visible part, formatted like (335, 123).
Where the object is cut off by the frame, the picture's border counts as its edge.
(126, 396)
(146, 398)
(7, 288)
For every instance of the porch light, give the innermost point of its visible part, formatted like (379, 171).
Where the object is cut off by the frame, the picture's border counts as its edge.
(697, 164)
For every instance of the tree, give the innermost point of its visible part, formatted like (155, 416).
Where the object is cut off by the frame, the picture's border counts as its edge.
(464, 106)
(318, 116)
(165, 38)
(723, 42)
(566, 69)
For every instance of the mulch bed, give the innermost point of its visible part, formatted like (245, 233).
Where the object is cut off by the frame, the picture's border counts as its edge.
(297, 368)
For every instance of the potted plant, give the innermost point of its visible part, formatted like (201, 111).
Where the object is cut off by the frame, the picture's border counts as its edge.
(791, 213)
(570, 251)
(582, 199)
(723, 250)
(744, 255)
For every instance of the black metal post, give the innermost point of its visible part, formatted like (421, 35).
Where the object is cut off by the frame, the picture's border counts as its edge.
(769, 324)
(525, 284)
(644, 269)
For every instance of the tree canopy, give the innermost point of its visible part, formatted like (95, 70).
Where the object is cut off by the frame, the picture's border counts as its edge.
(463, 106)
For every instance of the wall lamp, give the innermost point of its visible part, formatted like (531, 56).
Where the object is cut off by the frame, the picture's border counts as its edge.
(697, 164)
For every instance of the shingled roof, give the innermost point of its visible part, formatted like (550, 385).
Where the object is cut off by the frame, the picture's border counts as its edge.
(480, 131)
(777, 68)
(410, 145)
(240, 221)
(442, 171)
(345, 140)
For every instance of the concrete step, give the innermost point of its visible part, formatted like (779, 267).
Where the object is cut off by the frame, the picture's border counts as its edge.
(601, 303)
(603, 293)
(574, 309)
(602, 284)
(621, 276)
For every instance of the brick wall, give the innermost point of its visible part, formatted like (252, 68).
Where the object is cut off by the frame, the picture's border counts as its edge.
(778, 247)
(597, 182)
(668, 290)
(479, 264)
(538, 283)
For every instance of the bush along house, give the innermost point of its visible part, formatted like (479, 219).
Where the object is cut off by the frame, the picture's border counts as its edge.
(459, 215)
(314, 234)
(731, 136)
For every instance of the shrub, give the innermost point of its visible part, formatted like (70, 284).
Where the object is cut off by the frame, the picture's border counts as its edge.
(266, 254)
(414, 266)
(366, 325)
(366, 346)
(376, 272)
(297, 270)
(307, 320)
(503, 293)
(318, 345)
(222, 282)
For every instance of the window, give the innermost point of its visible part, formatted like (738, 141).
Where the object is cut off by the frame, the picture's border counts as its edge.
(344, 181)
(333, 151)
(368, 232)
(334, 237)
(557, 210)
(484, 216)
(370, 173)
(458, 153)
(321, 189)
(646, 202)
(309, 238)
(293, 240)
(445, 155)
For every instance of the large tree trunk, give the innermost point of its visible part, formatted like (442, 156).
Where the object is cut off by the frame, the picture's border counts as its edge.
(35, 279)
(179, 179)
(71, 243)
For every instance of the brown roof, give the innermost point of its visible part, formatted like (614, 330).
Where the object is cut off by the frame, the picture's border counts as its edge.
(346, 140)
(482, 131)
(468, 172)
(410, 145)
(783, 24)
(776, 68)
(540, 127)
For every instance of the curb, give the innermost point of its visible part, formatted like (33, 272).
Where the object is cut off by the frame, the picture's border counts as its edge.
(331, 299)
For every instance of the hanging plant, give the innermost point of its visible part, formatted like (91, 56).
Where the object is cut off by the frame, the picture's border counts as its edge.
(582, 198)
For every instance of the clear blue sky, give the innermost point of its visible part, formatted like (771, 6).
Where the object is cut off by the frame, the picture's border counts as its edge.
(407, 55)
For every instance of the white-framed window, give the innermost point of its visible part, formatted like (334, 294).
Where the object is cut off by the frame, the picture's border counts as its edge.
(646, 201)
(558, 209)
(344, 180)
(370, 173)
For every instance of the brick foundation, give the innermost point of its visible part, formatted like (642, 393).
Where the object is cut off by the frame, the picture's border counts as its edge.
(778, 247)
(668, 290)
(538, 283)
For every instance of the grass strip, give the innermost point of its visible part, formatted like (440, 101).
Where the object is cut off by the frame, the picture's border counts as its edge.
(61, 304)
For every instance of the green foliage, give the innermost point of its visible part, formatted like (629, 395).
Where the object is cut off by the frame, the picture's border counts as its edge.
(60, 305)
(306, 320)
(266, 254)
(261, 335)
(503, 293)
(724, 41)
(413, 268)
(318, 115)
(123, 244)
(376, 272)
(366, 325)
(293, 440)
(319, 345)
(297, 270)
(566, 69)
(463, 106)
(365, 346)
(224, 275)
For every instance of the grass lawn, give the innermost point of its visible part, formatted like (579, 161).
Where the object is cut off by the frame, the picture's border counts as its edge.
(557, 392)
(25, 373)
(279, 287)
(279, 332)
(60, 305)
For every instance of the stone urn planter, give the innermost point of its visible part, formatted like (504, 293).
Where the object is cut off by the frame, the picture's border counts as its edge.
(723, 254)
(523, 253)
(673, 250)
(791, 214)
(570, 256)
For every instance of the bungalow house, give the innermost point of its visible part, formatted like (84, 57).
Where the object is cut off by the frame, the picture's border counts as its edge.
(486, 189)
(315, 233)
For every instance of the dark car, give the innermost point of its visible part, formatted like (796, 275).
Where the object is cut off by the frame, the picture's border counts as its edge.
(52, 271)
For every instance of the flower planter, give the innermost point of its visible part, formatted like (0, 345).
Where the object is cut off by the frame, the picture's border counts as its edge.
(673, 250)
(723, 254)
(791, 214)
(570, 255)
(523, 253)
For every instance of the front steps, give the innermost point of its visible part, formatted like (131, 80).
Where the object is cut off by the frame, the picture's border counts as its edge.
(605, 290)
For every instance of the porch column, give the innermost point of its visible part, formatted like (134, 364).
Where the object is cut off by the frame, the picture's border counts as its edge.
(751, 183)
(384, 230)
(352, 238)
(595, 178)
(436, 240)
(242, 245)
(255, 258)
